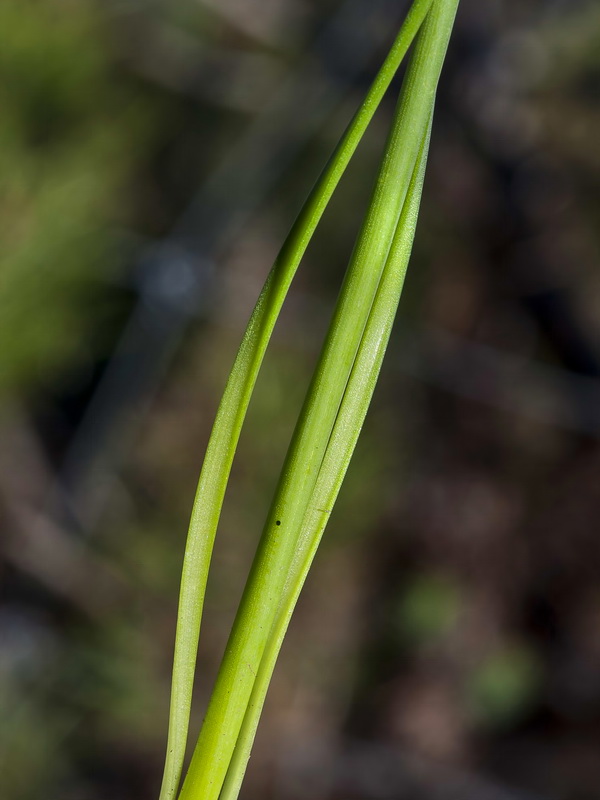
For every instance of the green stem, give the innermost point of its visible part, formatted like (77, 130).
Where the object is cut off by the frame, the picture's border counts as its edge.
(232, 409)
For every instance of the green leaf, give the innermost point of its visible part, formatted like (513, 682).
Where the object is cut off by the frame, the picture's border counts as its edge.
(344, 437)
(232, 410)
(274, 562)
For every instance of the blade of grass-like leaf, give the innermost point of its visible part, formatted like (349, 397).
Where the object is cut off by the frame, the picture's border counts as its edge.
(269, 571)
(341, 445)
(236, 397)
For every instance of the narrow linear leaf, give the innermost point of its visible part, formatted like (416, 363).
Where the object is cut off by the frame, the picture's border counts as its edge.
(341, 445)
(268, 575)
(232, 409)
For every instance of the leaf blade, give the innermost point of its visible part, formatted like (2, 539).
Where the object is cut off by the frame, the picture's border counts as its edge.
(258, 607)
(232, 409)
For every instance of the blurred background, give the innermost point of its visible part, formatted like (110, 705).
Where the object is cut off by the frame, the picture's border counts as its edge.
(153, 155)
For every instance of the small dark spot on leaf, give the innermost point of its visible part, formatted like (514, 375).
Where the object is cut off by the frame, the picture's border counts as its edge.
(278, 522)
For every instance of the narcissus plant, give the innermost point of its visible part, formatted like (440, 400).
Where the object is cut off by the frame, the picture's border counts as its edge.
(328, 425)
